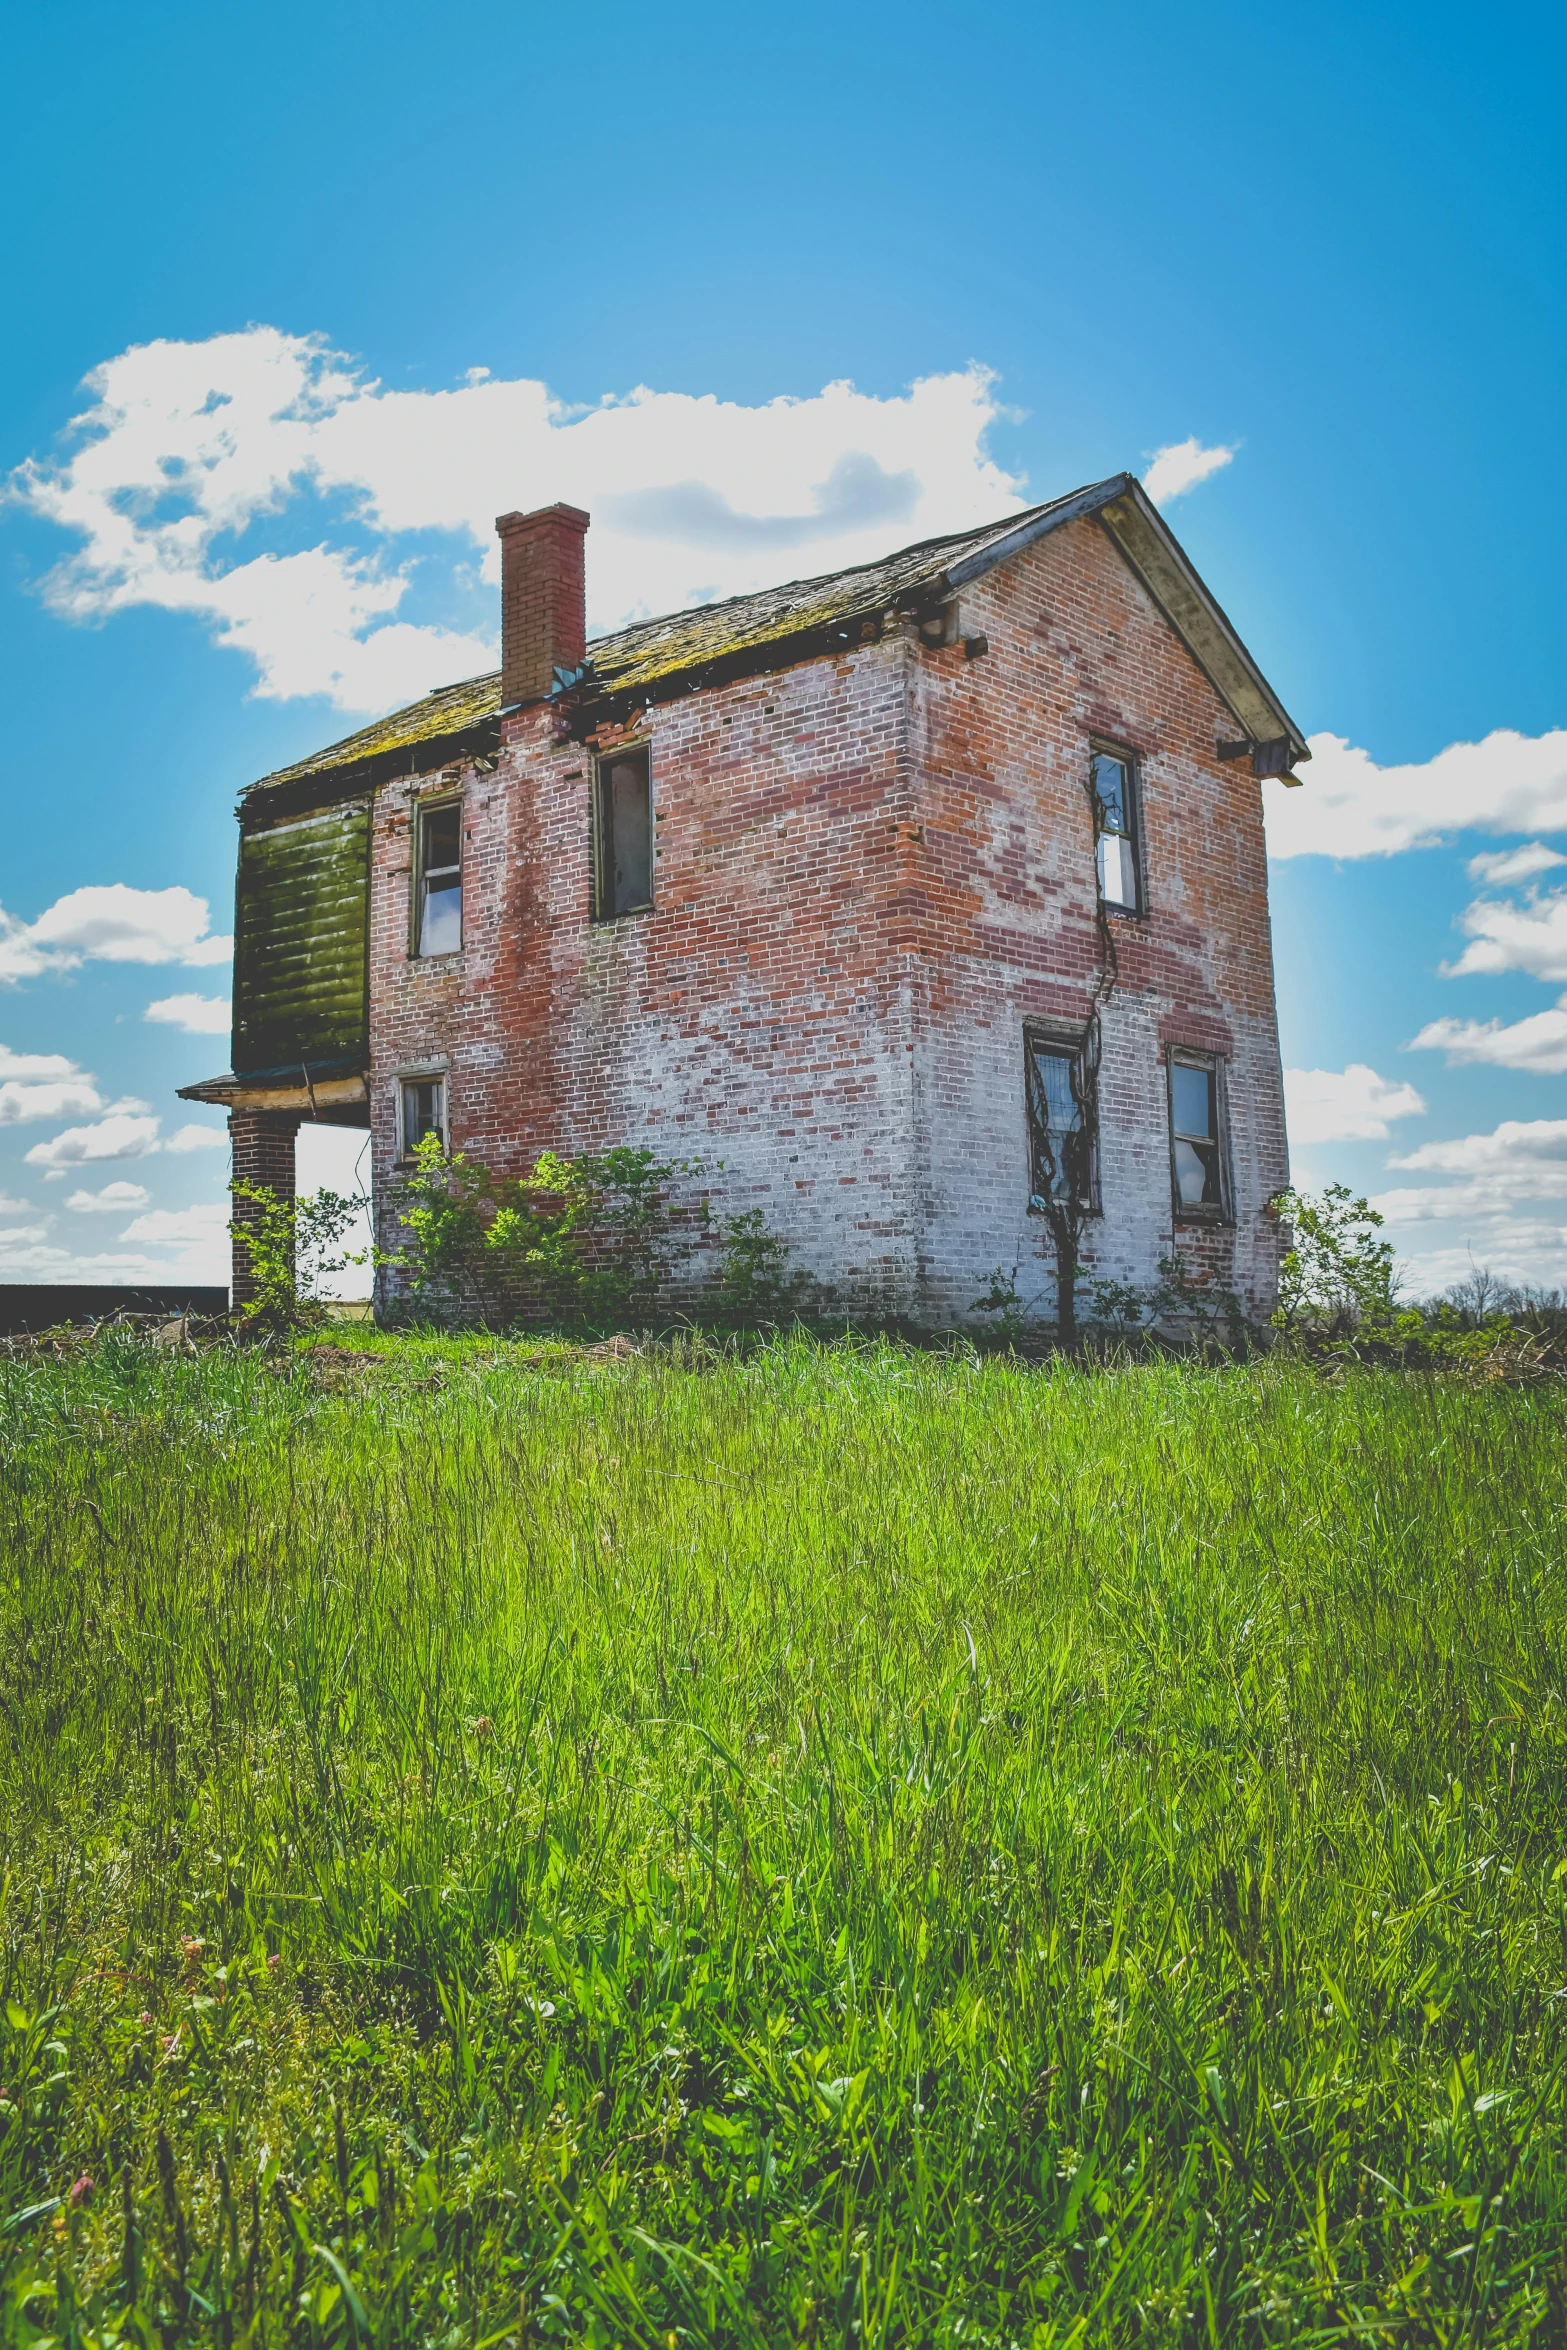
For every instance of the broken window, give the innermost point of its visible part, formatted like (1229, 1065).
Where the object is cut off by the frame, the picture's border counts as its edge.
(1115, 828)
(1196, 1153)
(623, 835)
(439, 927)
(1060, 1123)
(422, 1111)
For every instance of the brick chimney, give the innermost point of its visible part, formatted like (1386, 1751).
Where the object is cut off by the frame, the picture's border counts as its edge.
(543, 604)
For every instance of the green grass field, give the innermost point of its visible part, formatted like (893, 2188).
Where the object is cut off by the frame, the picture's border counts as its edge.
(838, 1846)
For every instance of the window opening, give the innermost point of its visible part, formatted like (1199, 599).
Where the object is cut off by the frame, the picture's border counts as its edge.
(424, 1112)
(1194, 1128)
(1060, 1126)
(440, 879)
(625, 835)
(1114, 820)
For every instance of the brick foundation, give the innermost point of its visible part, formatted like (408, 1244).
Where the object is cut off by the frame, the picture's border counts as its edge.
(263, 1147)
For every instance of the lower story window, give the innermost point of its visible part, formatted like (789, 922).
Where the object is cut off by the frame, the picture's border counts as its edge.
(423, 1112)
(1197, 1156)
(1060, 1123)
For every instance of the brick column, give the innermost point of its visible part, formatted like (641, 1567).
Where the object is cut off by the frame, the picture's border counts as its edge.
(263, 1143)
(543, 599)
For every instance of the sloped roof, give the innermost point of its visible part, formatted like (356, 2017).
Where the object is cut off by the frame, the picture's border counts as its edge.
(652, 656)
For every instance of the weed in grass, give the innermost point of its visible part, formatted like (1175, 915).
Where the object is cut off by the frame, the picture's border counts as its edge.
(851, 1847)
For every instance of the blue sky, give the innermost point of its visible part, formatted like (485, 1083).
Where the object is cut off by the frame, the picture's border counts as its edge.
(1326, 241)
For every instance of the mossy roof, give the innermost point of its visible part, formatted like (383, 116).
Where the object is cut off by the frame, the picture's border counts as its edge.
(651, 656)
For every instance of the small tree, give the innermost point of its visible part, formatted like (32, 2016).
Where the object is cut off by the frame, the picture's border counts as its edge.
(1338, 1273)
(292, 1246)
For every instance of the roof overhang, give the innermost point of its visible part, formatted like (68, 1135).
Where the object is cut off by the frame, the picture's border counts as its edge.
(1151, 550)
(333, 1095)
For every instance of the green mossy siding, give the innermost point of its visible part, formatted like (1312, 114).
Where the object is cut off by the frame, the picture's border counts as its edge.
(300, 939)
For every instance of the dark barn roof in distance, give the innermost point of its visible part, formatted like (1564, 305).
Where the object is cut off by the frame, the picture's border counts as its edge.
(654, 659)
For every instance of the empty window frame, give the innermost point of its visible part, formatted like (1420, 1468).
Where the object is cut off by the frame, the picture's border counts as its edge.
(1114, 778)
(622, 835)
(438, 876)
(421, 1110)
(1197, 1136)
(1062, 1143)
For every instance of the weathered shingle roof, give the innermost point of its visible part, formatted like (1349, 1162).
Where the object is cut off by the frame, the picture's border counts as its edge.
(650, 656)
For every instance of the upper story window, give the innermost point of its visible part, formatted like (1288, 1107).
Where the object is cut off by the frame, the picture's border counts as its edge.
(1061, 1138)
(622, 835)
(1196, 1143)
(1115, 829)
(438, 924)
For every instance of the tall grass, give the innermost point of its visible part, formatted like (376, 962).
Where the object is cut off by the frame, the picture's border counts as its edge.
(840, 1847)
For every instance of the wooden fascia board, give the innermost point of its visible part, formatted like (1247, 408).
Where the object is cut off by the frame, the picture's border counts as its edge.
(1150, 549)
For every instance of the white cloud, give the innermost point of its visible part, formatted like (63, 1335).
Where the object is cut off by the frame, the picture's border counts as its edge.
(187, 444)
(198, 1015)
(1511, 1153)
(109, 922)
(1181, 467)
(115, 1198)
(197, 1138)
(1508, 1204)
(14, 1207)
(1509, 934)
(121, 1135)
(1538, 1043)
(188, 1226)
(1345, 1105)
(1351, 807)
(66, 1097)
(1502, 867)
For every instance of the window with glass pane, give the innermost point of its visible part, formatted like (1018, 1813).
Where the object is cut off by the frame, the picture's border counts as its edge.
(424, 1112)
(1194, 1127)
(1060, 1143)
(1113, 818)
(625, 835)
(440, 879)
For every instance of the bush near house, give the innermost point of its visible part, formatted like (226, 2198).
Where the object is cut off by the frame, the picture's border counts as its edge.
(522, 1843)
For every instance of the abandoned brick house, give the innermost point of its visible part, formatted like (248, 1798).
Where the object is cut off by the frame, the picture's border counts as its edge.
(920, 897)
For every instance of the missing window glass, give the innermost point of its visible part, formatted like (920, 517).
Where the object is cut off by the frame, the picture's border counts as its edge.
(1061, 1136)
(438, 930)
(623, 835)
(1196, 1144)
(1115, 828)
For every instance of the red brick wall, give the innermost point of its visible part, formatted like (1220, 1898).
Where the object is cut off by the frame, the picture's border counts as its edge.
(263, 1147)
(871, 870)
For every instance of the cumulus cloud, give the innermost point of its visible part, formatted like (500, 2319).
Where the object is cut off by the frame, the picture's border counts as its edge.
(123, 1134)
(110, 922)
(187, 1226)
(198, 1015)
(186, 446)
(1346, 1105)
(1537, 1043)
(1506, 1197)
(1502, 867)
(196, 1138)
(1516, 934)
(1351, 807)
(1181, 467)
(44, 1085)
(113, 1199)
(14, 1207)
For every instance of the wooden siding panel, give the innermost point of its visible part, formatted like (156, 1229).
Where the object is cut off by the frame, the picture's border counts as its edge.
(300, 939)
